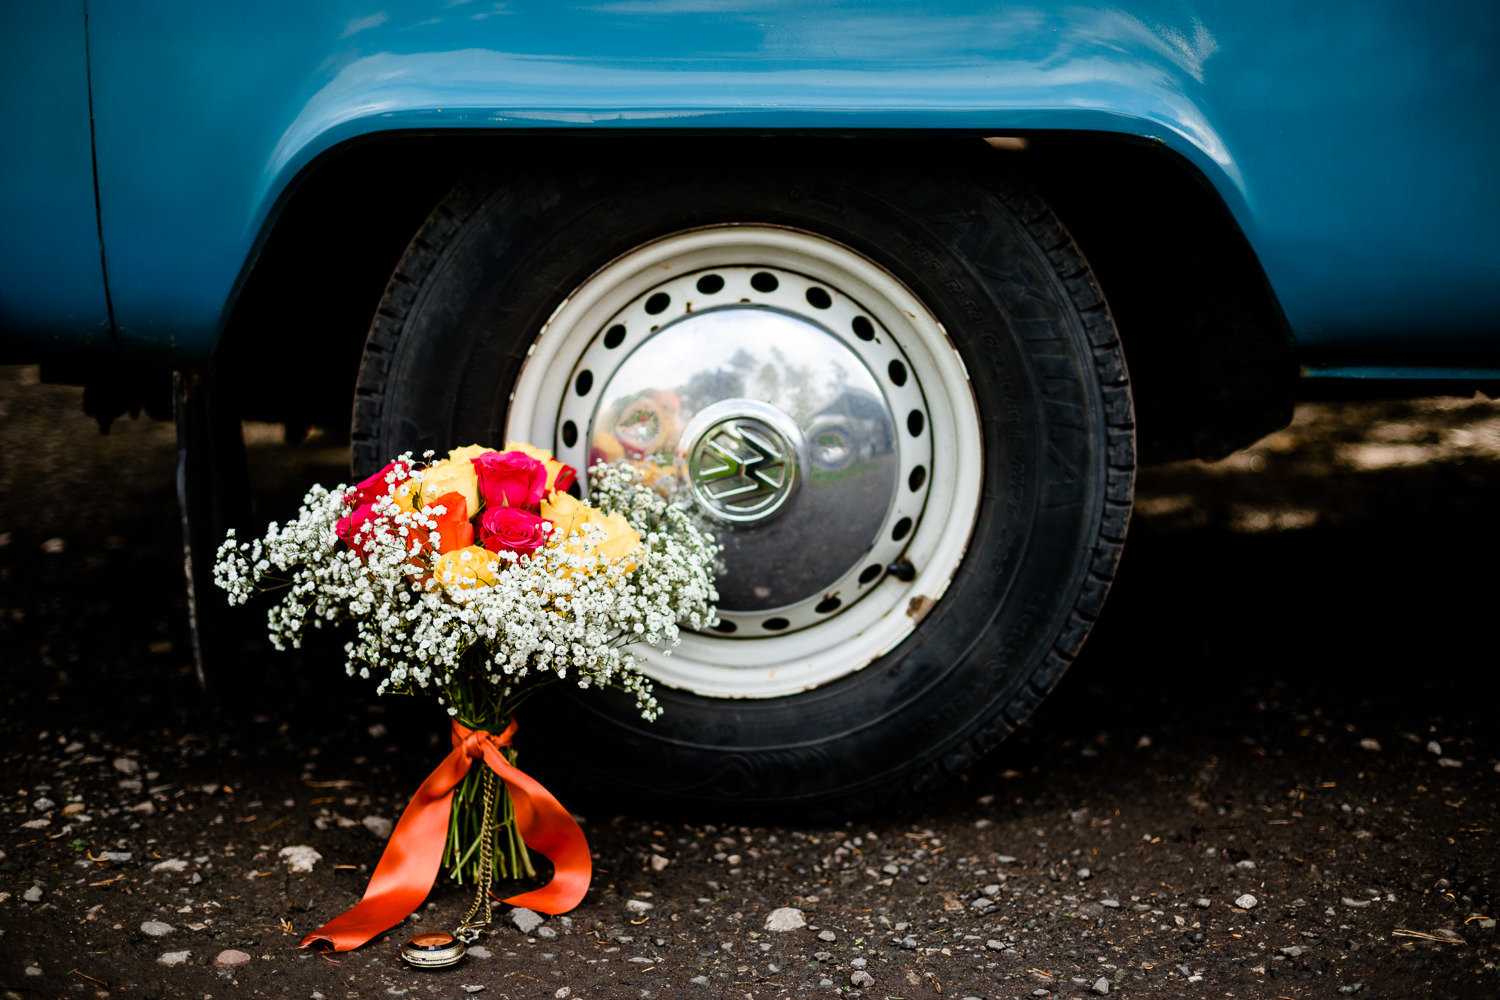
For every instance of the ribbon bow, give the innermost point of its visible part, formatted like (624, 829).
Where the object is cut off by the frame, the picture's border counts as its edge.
(410, 863)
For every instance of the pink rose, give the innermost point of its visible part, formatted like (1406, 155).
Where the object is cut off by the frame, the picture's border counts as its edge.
(348, 528)
(376, 487)
(503, 529)
(510, 479)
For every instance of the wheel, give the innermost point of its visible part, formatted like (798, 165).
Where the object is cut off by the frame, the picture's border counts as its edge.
(896, 391)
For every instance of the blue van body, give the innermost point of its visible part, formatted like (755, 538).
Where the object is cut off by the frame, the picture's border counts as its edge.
(151, 142)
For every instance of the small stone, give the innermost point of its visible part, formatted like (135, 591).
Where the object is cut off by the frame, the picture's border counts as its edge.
(908, 942)
(155, 928)
(1369, 744)
(1246, 865)
(991, 890)
(1352, 988)
(638, 906)
(859, 963)
(1101, 986)
(1292, 951)
(827, 936)
(33, 895)
(983, 824)
(1113, 904)
(1246, 902)
(173, 957)
(126, 766)
(478, 951)
(1434, 747)
(36, 824)
(862, 978)
(114, 856)
(703, 981)
(545, 933)
(995, 944)
(379, 826)
(526, 920)
(1356, 903)
(170, 865)
(785, 918)
(1449, 762)
(53, 546)
(1203, 902)
(1004, 859)
(475, 988)
(563, 992)
(230, 957)
(42, 804)
(33, 970)
(659, 863)
(300, 857)
(1084, 873)
(1486, 923)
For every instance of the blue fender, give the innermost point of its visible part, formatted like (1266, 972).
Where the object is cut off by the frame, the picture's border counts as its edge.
(1353, 143)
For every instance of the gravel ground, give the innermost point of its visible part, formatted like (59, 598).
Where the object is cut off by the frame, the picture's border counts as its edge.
(1271, 774)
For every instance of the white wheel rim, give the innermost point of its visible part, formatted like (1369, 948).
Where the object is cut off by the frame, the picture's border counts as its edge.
(814, 651)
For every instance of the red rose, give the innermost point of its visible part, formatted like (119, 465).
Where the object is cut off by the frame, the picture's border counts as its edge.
(376, 487)
(453, 527)
(508, 529)
(348, 528)
(566, 476)
(510, 479)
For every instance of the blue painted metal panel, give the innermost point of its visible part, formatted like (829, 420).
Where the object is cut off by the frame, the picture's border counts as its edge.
(1353, 142)
(51, 277)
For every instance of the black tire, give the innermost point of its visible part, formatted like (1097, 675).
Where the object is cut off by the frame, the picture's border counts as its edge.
(1017, 301)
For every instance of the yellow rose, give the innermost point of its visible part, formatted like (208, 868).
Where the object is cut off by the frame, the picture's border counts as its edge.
(451, 475)
(467, 568)
(405, 495)
(554, 467)
(569, 515)
(468, 453)
(623, 540)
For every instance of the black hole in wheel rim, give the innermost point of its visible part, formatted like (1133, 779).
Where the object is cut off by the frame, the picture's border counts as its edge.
(863, 328)
(584, 382)
(914, 423)
(901, 530)
(710, 284)
(774, 624)
(658, 303)
(917, 478)
(614, 336)
(818, 298)
(828, 605)
(570, 433)
(764, 281)
(725, 626)
(897, 372)
(869, 575)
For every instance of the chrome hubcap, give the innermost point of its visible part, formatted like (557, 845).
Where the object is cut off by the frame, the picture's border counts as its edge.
(769, 395)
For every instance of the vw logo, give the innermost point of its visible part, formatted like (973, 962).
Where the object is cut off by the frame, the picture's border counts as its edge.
(742, 466)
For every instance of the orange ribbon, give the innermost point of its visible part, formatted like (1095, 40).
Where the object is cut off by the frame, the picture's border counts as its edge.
(410, 863)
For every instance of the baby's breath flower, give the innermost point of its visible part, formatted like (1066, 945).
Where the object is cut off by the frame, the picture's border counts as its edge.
(563, 611)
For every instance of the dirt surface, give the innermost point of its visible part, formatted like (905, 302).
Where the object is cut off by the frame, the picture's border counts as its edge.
(1272, 772)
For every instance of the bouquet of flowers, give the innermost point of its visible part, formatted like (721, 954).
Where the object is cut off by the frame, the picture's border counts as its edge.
(554, 588)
